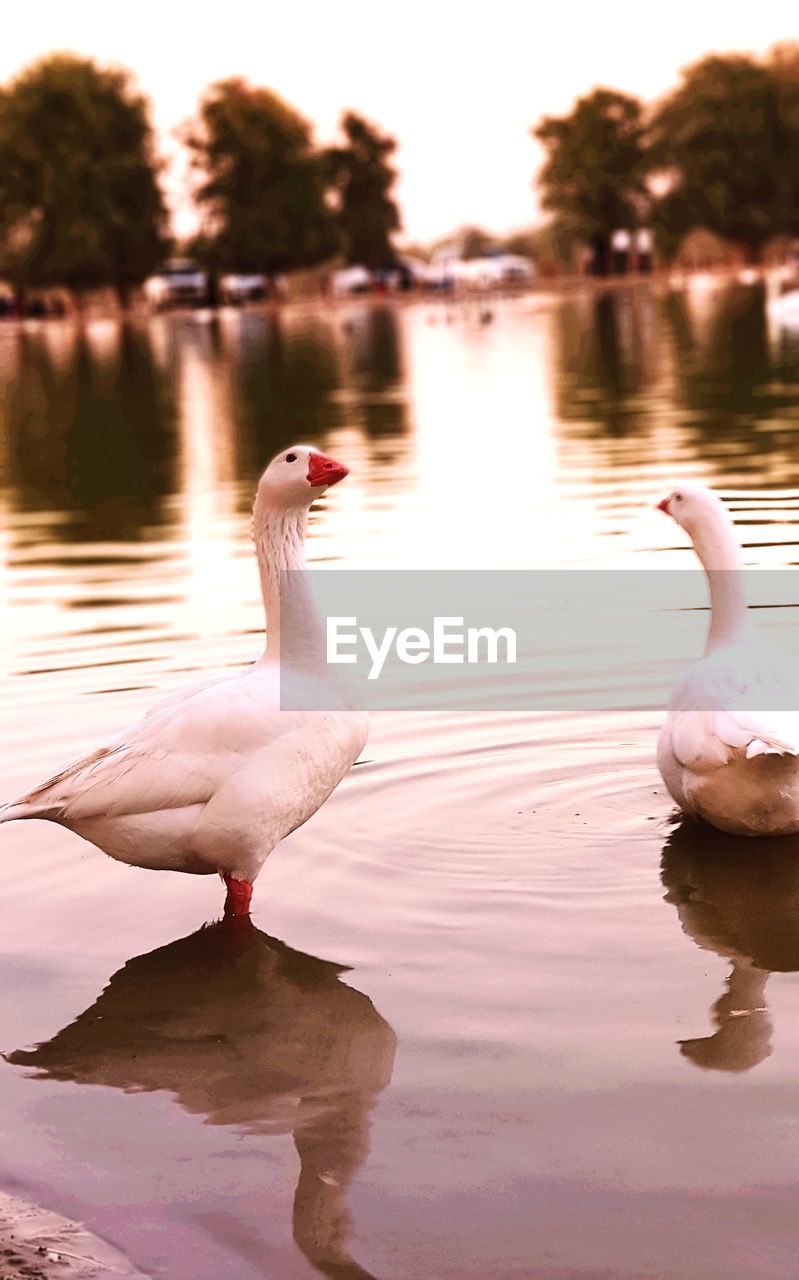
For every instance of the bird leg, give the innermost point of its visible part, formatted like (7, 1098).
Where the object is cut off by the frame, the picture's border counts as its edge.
(239, 893)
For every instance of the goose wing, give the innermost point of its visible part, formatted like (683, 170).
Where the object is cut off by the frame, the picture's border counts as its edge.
(717, 710)
(178, 755)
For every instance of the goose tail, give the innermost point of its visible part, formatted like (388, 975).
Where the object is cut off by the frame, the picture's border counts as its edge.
(18, 809)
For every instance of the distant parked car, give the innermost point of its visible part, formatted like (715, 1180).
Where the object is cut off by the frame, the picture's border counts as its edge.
(352, 280)
(237, 289)
(515, 269)
(180, 282)
(494, 272)
(427, 275)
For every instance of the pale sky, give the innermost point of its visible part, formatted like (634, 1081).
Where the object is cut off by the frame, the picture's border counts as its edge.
(458, 85)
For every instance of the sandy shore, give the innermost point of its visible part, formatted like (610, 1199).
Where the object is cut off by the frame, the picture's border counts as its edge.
(38, 1245)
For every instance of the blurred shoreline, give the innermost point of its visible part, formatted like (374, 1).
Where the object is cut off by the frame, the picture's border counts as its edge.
(658, 282)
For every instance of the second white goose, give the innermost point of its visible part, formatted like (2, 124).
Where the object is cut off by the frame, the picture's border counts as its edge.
(728, 750)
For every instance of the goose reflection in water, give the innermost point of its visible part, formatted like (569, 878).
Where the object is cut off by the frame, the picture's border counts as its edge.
(245, 1032)
(737, 896)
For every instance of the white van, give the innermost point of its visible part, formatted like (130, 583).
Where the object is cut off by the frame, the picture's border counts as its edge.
(180, 282)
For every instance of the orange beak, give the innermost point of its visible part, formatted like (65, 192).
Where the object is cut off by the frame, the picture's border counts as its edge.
(324, 471)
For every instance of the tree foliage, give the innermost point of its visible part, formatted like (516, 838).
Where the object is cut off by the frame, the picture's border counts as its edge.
(361, 178)
(475, 242)
(728, 141)
(594, 176)
(261, 183)
(80, 204)
(784, 66)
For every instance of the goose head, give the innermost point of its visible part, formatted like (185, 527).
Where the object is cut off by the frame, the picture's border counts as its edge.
(709, 525)
(694, 507)
(297, 476)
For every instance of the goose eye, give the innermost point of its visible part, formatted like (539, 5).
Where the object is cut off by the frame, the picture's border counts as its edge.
(291, 457)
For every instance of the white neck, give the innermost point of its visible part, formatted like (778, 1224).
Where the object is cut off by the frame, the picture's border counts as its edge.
(717, 547)
(279, 536)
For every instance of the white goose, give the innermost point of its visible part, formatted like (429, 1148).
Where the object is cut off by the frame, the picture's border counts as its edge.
(728, 750)
(213, 778)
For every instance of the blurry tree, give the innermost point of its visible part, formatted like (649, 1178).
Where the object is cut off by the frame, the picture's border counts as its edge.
(262, 183)
(783, 62)
(476, 243)
(467, 243)
(594, 176)
(526, 243)
(415, 249)
(548, 245)
(80, 204)
(361, 178)
(727, 140)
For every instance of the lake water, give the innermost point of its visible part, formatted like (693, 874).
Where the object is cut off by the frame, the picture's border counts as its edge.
(497, 1017)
